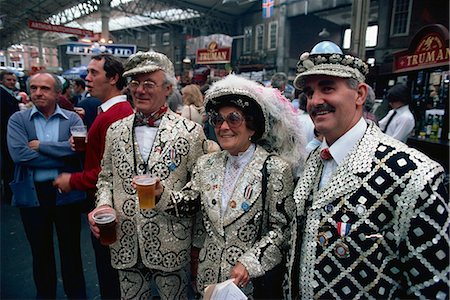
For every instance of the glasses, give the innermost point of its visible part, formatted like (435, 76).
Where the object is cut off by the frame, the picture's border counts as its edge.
(147, 85)
(233, 120)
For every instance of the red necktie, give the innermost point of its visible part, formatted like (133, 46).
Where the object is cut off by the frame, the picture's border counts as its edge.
(325, 154)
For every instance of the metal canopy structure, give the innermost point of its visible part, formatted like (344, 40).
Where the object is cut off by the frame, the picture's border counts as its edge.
(209, 15)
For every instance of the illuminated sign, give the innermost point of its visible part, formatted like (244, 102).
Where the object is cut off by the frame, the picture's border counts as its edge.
(213, 55)
(428, 49)
(87, 49)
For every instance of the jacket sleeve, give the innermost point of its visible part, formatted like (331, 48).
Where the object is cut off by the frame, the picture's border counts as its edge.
(267, 252)
(63, 148)
(105, 177)
(19, 150)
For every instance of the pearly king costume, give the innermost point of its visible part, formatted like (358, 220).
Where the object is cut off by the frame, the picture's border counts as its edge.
(150, 238)
(377, 229)
(232, 226)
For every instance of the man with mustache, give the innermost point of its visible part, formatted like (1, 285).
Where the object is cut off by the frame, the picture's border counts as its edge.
(105, 82)
(372, 215)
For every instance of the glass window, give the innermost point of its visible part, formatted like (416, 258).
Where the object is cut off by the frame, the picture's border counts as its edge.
(259, 37)
(401, 15)
(152, 39)
(248, 37)
(273, 34)
(166, 38)
(371, 37)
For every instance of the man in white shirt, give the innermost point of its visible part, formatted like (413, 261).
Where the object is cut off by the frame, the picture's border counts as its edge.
(372, 214)
(399, 122)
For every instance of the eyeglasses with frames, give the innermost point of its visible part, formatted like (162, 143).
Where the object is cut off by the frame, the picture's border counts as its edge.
(147, 85)
(233, 119)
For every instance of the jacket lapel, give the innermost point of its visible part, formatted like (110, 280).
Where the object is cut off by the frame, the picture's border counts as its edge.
(348, 177)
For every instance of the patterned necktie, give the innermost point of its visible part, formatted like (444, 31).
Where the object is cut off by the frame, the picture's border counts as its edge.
(141, 120)
(325, 154)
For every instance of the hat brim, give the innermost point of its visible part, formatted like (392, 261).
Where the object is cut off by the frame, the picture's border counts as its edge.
(142, 69)
(333, 70)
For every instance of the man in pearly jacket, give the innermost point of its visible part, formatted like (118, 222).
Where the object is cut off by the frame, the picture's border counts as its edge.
(151, 245)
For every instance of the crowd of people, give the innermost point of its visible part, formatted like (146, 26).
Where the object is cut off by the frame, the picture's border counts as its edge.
(306, 199)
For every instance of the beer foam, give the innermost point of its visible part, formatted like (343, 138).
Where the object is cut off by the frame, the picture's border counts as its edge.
(104, 218)
(145, 181)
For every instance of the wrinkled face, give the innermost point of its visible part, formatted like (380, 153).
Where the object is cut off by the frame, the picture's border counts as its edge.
(333, 106)
(149, 91)
(231, 130)
(9, 80)
(97, 83)
(43, 94)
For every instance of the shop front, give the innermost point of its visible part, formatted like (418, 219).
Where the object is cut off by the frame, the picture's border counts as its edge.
(425, 68)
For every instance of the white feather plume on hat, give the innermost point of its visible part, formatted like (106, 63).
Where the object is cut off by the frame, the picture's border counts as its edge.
(282, 134)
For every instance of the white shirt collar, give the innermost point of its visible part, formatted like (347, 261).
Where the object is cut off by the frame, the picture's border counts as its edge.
(342, 146)
(402, 108)
(114, 100)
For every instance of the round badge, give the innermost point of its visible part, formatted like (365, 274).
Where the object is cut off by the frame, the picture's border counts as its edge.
(245, 206)
(232, 204)
(329, 208)
(214, 202)
(360, 209)
(341, 250)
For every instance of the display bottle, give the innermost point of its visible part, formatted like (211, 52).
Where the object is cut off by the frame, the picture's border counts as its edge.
(441, 124)
(429, 125)
(435, 128)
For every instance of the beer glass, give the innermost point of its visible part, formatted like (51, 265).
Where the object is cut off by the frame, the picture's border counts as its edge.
(79, 134)
(145, 186)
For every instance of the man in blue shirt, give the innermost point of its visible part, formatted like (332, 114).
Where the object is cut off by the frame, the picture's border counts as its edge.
(38, 140)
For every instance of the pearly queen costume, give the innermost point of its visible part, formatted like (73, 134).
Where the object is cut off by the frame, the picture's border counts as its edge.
(228, 189)
(378, 229)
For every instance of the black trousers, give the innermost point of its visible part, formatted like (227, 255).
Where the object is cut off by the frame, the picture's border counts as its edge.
(38, 223)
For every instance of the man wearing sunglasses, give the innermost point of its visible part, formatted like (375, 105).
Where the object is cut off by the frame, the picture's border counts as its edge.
(151, 245)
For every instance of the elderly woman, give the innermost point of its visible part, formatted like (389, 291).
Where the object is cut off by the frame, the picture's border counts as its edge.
(250, 121)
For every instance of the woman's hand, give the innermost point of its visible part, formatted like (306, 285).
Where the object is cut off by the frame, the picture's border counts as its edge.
(240, 275)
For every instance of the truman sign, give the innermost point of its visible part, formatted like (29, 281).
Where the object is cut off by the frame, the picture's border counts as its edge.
(429, 48)
(87, 49)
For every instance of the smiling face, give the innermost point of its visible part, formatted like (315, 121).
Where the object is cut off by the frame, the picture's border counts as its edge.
(151, 93)
(333, 105)
(234, 139)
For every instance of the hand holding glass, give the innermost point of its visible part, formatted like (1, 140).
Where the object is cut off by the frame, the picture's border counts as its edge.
(79, 134)
(105, 218)
(145, 186)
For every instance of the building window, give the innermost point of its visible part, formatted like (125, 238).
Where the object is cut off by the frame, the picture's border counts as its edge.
(248, 37)
(259, 29)
(371, 37)
(401, 16)
(166, 38)
(273, 34)
(152, 38)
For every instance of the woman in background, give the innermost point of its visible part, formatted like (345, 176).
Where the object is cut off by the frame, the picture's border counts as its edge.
(193, 108)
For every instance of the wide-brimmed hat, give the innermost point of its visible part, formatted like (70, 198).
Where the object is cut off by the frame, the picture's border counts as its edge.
(148, 62)
(240, 92)
(278, 121)
(326, 58)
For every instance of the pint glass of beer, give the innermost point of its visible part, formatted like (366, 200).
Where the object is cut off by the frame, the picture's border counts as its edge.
(79, 134)
(145, 186)
(105, 218)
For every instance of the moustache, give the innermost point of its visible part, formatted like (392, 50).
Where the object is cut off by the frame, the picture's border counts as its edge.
(320, 108)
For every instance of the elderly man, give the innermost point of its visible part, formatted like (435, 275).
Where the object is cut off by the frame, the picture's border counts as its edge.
(104, 81)
(38, 140)
(151, 245)
(372, 214)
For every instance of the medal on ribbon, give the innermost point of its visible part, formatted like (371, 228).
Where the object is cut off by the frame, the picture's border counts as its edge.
(343, 228)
